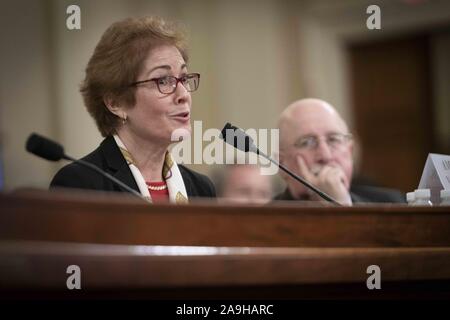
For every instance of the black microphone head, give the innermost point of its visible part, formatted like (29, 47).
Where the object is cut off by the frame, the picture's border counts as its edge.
(237, 138)
(226, 127)
(44, 148)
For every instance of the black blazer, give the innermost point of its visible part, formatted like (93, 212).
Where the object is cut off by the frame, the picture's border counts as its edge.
(109, 158)
(362, 194)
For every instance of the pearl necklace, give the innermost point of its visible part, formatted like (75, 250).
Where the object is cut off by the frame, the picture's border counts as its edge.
(158, 188)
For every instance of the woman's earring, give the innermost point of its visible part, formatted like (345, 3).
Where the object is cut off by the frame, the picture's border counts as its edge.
(124, 120)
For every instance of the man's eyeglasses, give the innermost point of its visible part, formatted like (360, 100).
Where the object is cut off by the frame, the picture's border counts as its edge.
(333, 140)
(168, 84)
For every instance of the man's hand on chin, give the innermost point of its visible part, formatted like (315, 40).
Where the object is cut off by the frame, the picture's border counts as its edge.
(328, 179)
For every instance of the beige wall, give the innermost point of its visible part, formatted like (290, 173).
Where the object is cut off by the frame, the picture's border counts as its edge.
(255, 57)
(25, 86)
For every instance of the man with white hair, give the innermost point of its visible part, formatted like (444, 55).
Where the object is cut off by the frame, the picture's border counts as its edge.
(316, 144)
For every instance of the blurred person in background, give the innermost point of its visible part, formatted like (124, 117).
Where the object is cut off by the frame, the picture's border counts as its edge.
(315, 143)
(138, 90)
(243, 183)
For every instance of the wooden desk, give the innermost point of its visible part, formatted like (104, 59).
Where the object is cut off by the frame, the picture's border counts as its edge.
(38, 270)
(103, 218)
(126, 248)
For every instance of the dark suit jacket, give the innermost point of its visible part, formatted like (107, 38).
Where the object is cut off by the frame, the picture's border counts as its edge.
(109, 158)
(362, 194)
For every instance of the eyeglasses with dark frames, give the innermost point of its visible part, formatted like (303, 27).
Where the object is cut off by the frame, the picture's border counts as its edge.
(168, 84)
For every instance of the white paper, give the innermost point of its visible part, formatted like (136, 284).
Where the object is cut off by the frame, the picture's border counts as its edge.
(436, 175)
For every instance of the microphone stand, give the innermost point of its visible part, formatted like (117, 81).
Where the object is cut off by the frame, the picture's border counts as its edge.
(53, 151)
(105, 174)
(299, 179)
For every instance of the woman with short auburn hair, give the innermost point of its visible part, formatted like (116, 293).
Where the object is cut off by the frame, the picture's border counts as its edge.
(138, 90)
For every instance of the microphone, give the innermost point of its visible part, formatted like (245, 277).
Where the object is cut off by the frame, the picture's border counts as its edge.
(53, 151)
(242, 141)
(45, 148)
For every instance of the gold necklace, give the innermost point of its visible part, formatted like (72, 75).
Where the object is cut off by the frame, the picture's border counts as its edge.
(157, 188)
